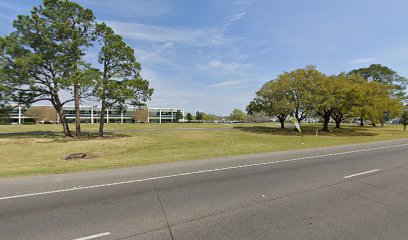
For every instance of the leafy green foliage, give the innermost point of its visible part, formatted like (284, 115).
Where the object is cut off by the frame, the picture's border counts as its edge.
(208, 117)
(199, 116)
(119, 82)
(386, 76)
(350, 96)
(4, 116)
(307, 92)
(179, 115)
(189, 117)
(40, 58)
(238, 115)
(292, 93)
(301, 89)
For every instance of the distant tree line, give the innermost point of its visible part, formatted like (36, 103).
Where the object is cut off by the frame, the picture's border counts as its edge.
(44, 60)
(375, 93)
(236, 115)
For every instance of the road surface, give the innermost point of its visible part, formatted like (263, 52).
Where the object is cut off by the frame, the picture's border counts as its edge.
(348, 192)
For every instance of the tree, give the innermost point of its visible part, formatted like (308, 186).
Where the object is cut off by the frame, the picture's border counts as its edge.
(350, 96)
(39, 59)
(272, 99)
(4, 89)
(292, 93)
(189, 117)
(78, 32)
(208, 117)
(300, 92)
(4, 116)
(404, 118)
(179, 115)
(83, 78)
(238, 115)
(324, 98)
(377, 101)
(119, 82)
(199, 116)
(386, 76)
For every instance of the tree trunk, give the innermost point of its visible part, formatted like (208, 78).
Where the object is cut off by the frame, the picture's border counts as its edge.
(282, 119)
(326, 119)
(405, 128)
(325, 125)
(382, 122)
(62, 119)
(77, 111)
(337, 119)
(373, 124)
(102, 118)
(282, 123)
(361, 122)
(337, 123)
(64, 123)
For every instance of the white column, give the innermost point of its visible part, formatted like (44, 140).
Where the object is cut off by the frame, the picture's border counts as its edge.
(107, 115)
(182, 112)
(160, 115)
(148, 116)
(92, 115)
(19, 114)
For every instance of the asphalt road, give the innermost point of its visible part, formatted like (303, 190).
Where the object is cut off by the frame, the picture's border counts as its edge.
(349, 192)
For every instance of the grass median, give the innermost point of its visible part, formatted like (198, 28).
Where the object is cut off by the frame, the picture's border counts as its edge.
(38, 149)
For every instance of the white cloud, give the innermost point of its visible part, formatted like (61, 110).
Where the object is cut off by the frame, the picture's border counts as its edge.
(236, 17)
(160, 34)
(225, 84)
(168, 45)
(156, 56)
(359, 61)
(241, 8)
(225, 67)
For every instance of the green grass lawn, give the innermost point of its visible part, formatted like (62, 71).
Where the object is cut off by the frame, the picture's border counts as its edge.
(108, 127)
(38, 149)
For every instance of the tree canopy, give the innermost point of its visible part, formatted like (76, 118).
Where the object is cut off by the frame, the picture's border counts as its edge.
(189, 117)
(44, 60)
(119, 82)
(384, 75)
(41, 57)
(238, 115)
(306, 92)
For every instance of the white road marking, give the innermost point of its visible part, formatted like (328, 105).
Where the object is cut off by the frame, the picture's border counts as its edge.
(196, 172)
(94, 236)
(362, 173)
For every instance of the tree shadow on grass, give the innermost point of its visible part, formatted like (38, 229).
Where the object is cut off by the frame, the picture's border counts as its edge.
(59, 137)
(106, 135)
(348, 131)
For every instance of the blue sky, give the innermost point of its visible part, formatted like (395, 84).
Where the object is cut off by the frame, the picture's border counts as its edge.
(213, 55)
